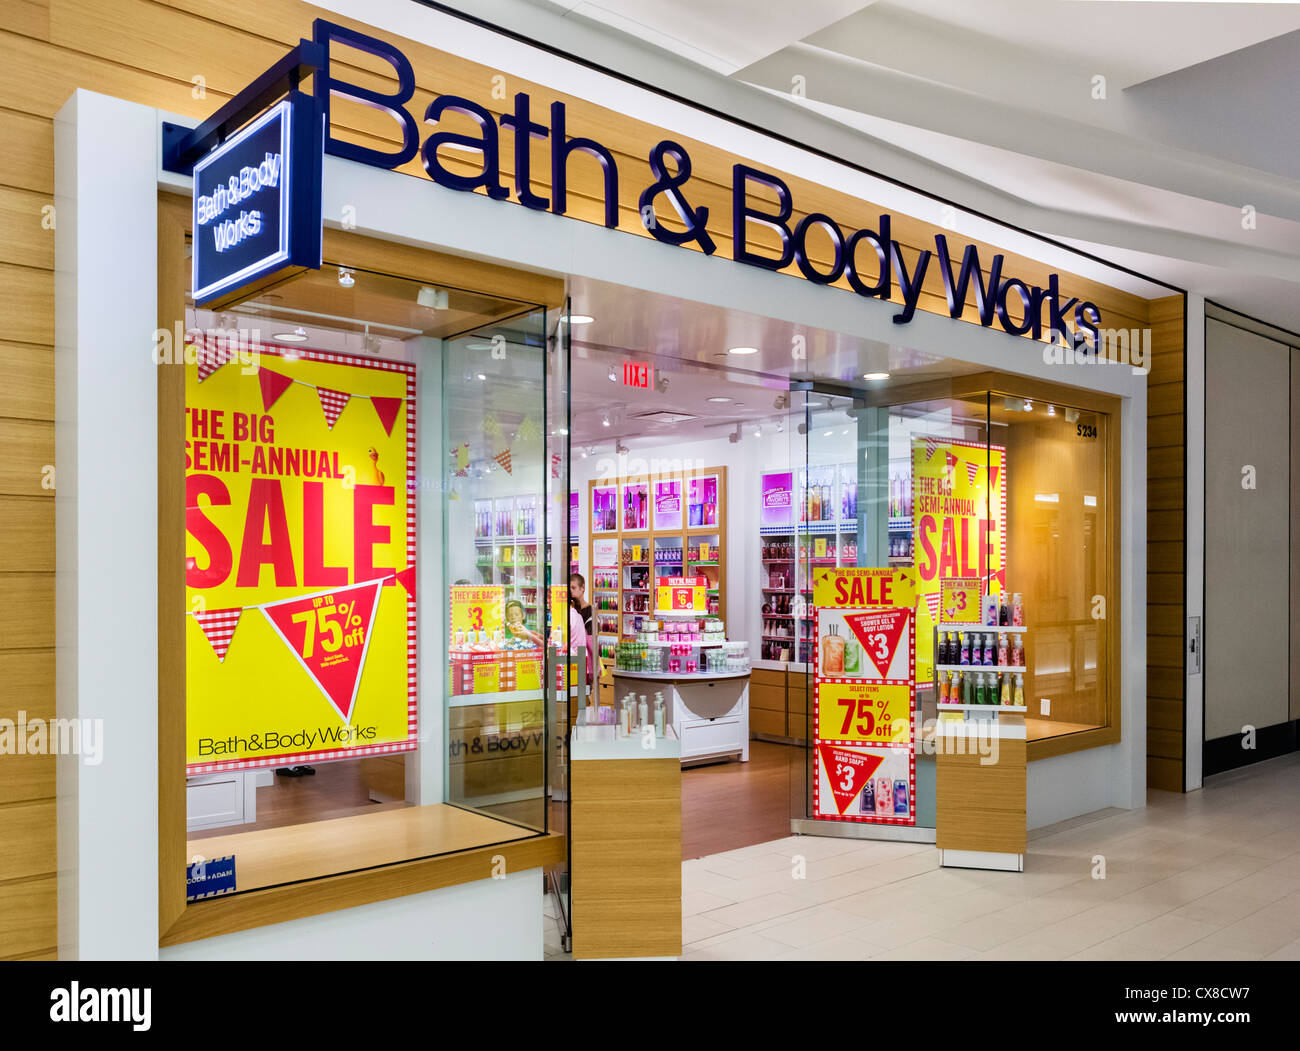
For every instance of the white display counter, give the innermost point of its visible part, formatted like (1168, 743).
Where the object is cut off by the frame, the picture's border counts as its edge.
(708, 711)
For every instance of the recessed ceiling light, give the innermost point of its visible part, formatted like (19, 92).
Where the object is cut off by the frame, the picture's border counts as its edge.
(578, 319)
(345, 277)
(876, 376)
(719, 401)
(298, 335)
(480, 377)
(742, 350)
(604, 420)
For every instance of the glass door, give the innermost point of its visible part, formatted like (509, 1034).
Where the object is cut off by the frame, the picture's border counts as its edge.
(852, 477)
(569, 654)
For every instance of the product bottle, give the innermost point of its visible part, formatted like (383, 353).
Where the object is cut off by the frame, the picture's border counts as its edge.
(943, 687)
(642, 713)
(989, 655)
(1004, 610)
(1019, 696)
(1017, 610)
(968, 692)
(965, 648)
(1006, 690)
(941, 656)
(1018, 653)
(955, 689)
(659, 715)
(1002, 651)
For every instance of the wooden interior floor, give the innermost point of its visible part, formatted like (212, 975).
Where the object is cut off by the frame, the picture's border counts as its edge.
(336, 790)
(726, 806)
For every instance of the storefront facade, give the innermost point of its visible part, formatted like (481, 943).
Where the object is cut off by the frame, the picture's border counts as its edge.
(121, 422)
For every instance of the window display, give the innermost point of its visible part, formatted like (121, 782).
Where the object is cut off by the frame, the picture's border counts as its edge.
(300, 558)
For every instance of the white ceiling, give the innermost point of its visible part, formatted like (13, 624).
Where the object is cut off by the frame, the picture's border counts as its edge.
(722, 35)
(688, 343)
(991, 104)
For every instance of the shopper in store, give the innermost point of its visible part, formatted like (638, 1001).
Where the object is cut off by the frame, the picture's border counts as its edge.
(578, 599)
(581, 638)
(515, 626)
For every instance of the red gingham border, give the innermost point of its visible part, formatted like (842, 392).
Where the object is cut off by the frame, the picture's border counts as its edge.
(412, 664)
(910, 746)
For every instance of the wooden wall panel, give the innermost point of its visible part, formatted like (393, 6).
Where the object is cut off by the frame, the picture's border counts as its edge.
(1166, 553)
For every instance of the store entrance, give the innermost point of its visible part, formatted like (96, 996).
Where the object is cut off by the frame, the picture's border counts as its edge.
(670, 455)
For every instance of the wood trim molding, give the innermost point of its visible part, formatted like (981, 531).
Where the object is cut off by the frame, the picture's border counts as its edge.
(257, 908)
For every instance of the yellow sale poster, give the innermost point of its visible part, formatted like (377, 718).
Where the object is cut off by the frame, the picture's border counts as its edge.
(475, 610)
(299, 558)
(959, 600)
(680, 594)
(864, 712)
(959, 513)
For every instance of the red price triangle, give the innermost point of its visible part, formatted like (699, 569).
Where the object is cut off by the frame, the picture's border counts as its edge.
(879, 633)
(845, 768)
(329, 633)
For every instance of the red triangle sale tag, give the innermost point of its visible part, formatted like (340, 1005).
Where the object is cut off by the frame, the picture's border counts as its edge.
(329, 633)
(879, 633)
(847, 772)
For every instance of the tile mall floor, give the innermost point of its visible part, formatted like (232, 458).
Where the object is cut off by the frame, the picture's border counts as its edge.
(1211, 875)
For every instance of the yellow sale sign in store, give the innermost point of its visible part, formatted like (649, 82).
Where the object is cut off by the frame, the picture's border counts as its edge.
(859, 586)
(477, 614)
(680, 594)
(864, 712)
(959, 512)
(959, 600)
(865, 701)
(299, 558)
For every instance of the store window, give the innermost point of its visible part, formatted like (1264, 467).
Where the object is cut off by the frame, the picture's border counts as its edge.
(1013, 491)
(350, 437)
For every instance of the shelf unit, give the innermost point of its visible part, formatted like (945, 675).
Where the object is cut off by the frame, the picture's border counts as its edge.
(508, 550)
(650, 538)
(1010, 633)
(829, 493)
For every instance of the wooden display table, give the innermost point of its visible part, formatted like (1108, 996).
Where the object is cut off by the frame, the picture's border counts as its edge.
(980, 787)
(626, 839)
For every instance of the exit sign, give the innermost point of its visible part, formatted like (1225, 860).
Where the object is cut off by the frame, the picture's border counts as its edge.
(639, 374)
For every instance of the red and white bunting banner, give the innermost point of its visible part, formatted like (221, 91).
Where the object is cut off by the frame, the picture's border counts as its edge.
(932, 600)
(386, 409)
(273, 384)
(218, 626)
(503, 459)
(332, 403)
(211, 358)
(329, 635)
(972, 471)
(555, 465)
(931, 447)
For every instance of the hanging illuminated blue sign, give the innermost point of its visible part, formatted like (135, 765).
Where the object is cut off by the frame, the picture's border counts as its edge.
(257, 203)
